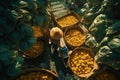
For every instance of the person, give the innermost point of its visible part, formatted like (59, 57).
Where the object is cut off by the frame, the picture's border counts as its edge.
(57, 40)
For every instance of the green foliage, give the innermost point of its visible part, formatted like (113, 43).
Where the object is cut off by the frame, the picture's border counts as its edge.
(15, 36)
(16, 66)
(7, 24)
(41, 20)
(0, 67)
(26, 43)
(38, 20)
(26, 19)
(16, 14)
(115, 28)
(6, 55)
(8, 3)
(97, 28)
(42, 3)
(106, 56)
(28, 5)
(16, 19)
(114, 44)
(26, 31)
(4, 27)
(23, 4)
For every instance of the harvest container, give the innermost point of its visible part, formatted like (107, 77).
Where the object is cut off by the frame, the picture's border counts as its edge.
(81, 62)
(37, 74)
(105, 73)
(75, 36)
(35, 51)
(68, 20)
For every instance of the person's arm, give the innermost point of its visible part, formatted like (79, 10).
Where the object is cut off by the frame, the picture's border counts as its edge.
(63, 48)
(62, 42)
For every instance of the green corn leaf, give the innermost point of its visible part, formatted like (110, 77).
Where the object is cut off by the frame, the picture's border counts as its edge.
(26, 43)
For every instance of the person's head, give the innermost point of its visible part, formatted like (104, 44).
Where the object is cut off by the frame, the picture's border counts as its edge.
(56, 33)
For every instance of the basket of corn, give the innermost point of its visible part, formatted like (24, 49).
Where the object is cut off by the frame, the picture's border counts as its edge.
(67, 20)
(74, 36)
(81, 62)
(37, 74)
(35, 51)
(105, 73)
(40, 32)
